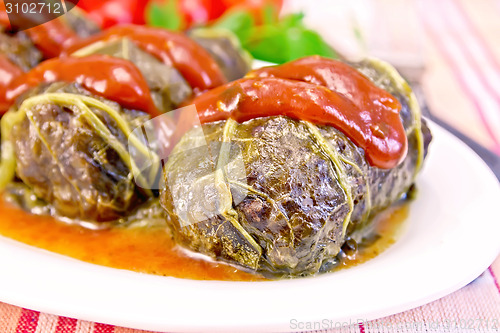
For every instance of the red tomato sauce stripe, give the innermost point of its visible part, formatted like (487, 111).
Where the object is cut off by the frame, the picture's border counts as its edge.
(113, 78)
(8, 72)
(337, 95)
(51, 36)
(175, 49)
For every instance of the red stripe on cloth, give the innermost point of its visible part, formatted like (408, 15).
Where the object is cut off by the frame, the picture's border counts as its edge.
(477, 37)
(461, 80)
(361, 328)
(494, 279)
(27, 321)
(103, 328)
(66, 325)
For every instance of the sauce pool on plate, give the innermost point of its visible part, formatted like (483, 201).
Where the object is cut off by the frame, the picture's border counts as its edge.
(151, 250)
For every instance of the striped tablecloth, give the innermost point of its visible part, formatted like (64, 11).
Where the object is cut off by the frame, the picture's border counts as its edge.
(459, 44)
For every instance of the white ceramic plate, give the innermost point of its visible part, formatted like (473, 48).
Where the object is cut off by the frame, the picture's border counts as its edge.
(451, 237)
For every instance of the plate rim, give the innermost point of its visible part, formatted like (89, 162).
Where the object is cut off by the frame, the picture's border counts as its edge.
(36, 293)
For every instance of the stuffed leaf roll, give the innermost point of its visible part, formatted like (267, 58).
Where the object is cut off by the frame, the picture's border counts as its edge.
(70, 149)
(304, 188)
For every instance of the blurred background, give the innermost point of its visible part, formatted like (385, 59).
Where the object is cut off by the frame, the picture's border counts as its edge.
(450, 47)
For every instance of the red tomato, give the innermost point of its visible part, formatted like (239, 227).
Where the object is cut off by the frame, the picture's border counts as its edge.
(252, 3)
(199, 11)
(191, 12)
(4, 18)
(107, 13)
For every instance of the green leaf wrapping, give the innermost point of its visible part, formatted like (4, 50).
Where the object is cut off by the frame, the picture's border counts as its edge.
(303, 190)
(70, 149)
(19, 50)
(78, 21)
(167, 86)
(226, 50)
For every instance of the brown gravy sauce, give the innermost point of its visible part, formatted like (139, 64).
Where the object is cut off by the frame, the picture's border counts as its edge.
(151, 250)
(387, 226)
